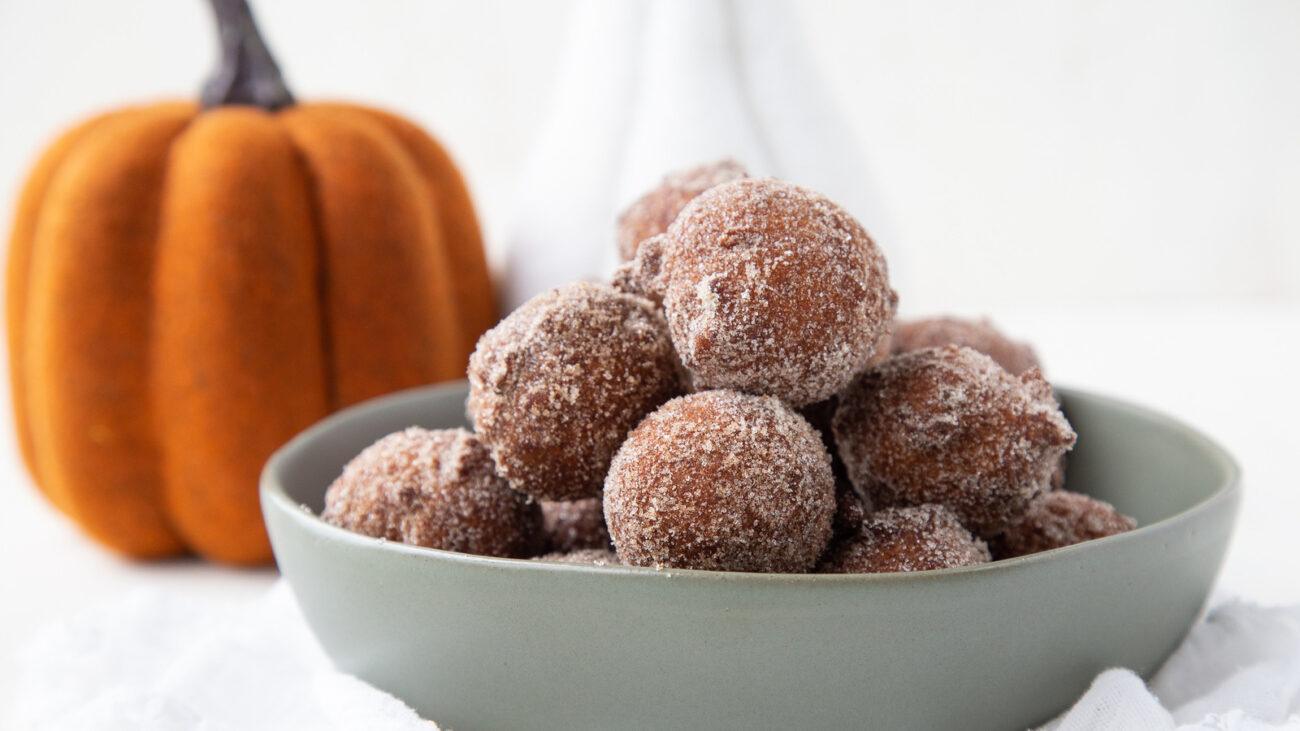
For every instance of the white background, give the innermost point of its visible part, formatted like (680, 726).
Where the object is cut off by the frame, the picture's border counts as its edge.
(1028, 152)
(1117, 182)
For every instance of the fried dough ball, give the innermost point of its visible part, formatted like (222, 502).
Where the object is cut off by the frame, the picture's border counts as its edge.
(820, 413)
(950, 426)
(652, 213)
(769, 288)
(574, 525)
(592, 556)
(1057, 519)
(1016, 357)
(917, 538)
(981, 335)
(556, 386)
(437, 489)
(723, 481)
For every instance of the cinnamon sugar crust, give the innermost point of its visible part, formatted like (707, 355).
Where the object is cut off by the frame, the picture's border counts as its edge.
(982, 335)
(556, 386)
(1057, 519)
(437, 489)
(950, 426)
(723, 481)
(919, 538)
(770, 288)
(654, 212)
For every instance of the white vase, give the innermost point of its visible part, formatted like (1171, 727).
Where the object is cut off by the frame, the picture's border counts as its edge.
(650, 86)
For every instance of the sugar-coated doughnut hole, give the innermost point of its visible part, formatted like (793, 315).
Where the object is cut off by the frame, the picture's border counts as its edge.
(919, 538)
(437, 489)
(770, 288)
(723, 481)
(652, 213)
(1060, 518)
(981, 335)
(556, 386)
(950, 426)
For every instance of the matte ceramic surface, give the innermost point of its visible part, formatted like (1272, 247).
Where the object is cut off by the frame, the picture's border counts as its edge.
(486, 643)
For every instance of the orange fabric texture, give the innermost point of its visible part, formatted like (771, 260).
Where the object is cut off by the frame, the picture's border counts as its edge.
(187, 289)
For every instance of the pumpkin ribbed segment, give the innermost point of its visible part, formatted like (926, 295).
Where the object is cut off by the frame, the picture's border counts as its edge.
(446, 188)
(21, 239)
(89, 311)
(390, 312)
(238, 363)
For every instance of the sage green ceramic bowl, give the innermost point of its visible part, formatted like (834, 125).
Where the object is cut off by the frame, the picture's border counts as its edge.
(487, 643)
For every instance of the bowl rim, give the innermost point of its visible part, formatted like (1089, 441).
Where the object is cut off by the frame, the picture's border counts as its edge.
(274, 497)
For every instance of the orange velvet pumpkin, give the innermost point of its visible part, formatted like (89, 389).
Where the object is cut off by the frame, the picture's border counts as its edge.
(189, 286)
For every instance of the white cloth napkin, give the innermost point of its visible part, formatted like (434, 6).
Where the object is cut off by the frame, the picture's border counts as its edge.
(154, 662)
(1238, 669)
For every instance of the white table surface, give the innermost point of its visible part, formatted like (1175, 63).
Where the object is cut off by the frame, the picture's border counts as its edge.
(1226, 369)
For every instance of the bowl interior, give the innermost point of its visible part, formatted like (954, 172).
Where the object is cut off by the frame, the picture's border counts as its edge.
(1147, 465)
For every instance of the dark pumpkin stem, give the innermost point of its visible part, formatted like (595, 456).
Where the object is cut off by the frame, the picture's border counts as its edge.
(247, 74)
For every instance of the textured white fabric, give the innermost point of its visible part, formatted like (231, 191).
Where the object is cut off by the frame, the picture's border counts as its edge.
(1239, 669)
(156, 662)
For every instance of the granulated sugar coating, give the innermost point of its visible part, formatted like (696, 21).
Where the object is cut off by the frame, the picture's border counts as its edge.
(950, 426)
(557, 385)
(723, 481)
(1057, 519)
(437, 489)
(770, 288)
(653, 212)
(592, 556)
(625, 280)
(639, 276)
(917, 538)
(981, 335)
(574, 525)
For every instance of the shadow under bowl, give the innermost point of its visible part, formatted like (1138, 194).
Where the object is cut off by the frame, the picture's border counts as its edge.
(475, 642)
